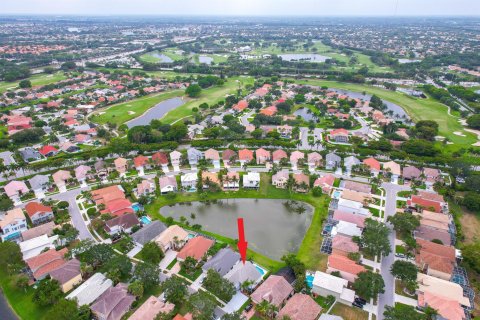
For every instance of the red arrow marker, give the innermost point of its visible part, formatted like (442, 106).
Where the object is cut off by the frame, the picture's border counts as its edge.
(242, 244)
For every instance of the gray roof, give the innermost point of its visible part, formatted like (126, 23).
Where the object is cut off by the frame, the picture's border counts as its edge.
(223, 261)
(7, 157)
(194, 154)
(333, 158)
(66, 272)
(243, 272)
(38, 181)
(325, 316)
(91, 289)
(149, 232)
(29, 153)
(351, 161)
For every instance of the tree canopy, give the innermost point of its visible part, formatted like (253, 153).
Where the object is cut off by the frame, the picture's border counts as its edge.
(369, 284)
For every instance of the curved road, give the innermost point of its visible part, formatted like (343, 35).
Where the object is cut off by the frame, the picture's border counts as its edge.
(6, 313)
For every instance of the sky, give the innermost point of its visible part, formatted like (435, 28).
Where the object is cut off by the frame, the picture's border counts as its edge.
(245, 7)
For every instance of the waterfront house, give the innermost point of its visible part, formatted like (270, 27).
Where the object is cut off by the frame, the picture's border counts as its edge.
(280, 179)
(68, 275)
(251, 180)
(231, 181)
(123, 223)
(223, 261)
(195, 248)
(174, 237)
(189, 181)
(325, 182)
(43, 264)
(167, 184)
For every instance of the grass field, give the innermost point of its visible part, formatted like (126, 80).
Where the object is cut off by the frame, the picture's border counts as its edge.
(118, 113)
(417, 109)
(217, 58)
(211, 96)
(309, 251)
(350, 313)
(170, 52)
(37, 80)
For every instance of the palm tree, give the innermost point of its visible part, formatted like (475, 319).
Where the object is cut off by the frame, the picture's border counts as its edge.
(262, 307)
(430, 313)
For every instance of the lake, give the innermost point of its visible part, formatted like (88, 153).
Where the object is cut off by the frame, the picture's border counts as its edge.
(162, 57)
(156, 112)
(311, 57)
(205, 59)
(272, 227)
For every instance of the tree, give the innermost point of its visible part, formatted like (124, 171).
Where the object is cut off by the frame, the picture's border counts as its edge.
(64, 310)
(203, 305)
(374, 239)
(98, 255)
(47, 293)
(221, 287)
(233, 316)
(283, 108)
(21, 281)
(369, 284)
(471, 255)
(152, 253)
(148, 274)
(136, 289)
(406, 272)
(25, 84)
(403, 312)
(11, 259)
(472, 201)
(174, 289)
(404, 223)
(474, 121)
(419, 147)
(193, 90)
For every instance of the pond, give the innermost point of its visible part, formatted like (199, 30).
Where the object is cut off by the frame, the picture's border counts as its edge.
(311, 57)
(305, 114)
(156, 112)
(162, 57)
(398, 112)
(205, 59)
(272, 227)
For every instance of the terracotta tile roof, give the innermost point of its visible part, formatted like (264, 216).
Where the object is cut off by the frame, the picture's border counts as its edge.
(46, 262)
(435, 256)
(372, 163)
(245, 155)
(150, 308)
(344, 264)
(67, 271)
(140, 161)
(212, 154)
(277, 155)
(228, 154)
(357, 186)
(47, 149)
(160, 158)
(195, 248)
(357, 219)
(344, 243)
(34, 207)
(300, 307)
(433, 196)
(424, 203)
(446, 308)
(275, 290)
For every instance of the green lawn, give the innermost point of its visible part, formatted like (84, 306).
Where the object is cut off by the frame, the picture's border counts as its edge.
(417, 109)
(211, 96)
(40, 79)
(119, 113)
(171, 53)
(21, 300)
(309, 251)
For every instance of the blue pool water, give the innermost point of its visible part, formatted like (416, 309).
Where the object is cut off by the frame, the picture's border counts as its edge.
(336, 194)
(190, 236)
(145, 220)
(309, 280)
(136, 207)
(262, 272)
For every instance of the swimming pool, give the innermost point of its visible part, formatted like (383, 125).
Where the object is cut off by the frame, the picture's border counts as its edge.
(145, 220)
(336, 194)
(191, 235)
(260, 269)
(137, 207)
(309, 280)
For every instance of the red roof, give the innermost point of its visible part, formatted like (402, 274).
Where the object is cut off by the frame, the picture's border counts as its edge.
(241, 105)
(269, 111)
(277, 155)
(245, 154)
(344, 264)
(47, 149)
(33, 207)
(195, 248)
(160, 158)
(372, 163)
(425, 203)
(119, 206)
(140, 161)
(340, 131)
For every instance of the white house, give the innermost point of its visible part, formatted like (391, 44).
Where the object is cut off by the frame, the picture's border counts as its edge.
(167, 184)
(91, 289)
(33, 247)
(175, 159)
(189, 181)
(12, 224)
(251, 180)
(39, 185)
(326, 285)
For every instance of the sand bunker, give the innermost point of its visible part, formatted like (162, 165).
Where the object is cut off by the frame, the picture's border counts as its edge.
(131, 112)
(459, 133)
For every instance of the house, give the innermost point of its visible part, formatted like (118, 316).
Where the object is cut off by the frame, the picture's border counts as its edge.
(280, 179)
(141, 163)
(123, 223)
(14, 190)
(393, 168)
(357, 219)
(326, 285)
(431, 176)
(213, 156)
(229, 157)
(434, 226)
(373, 165)
(244, 272)
(275, 290)
(145, 188)
(67, 146)
(48, 151)
(442, 288)
(174, 237)
(338, 135)
(60, 178)
(364, 198)
(295, 159)
(194, 156)
(349, 162)
(44, 263)
(314, 160)
(195, 248)
(101, 170)
(262, 156)
(343, 245)
(176, 160)
(411, 173)
(68, 275)
(285, 131)
(46, 228)
(347, 229)
(189, 181)
(121, 166)
(325, 182)
(81, 174)
(209, 179)
(39, 185)
(348, 269)
(425, 202)
(231, 181)
(357, 186)
(113, 303)
(251, 180)
(302, 182)
(240, 106)
(445, 307)
(91, 289)
(148, 233)
(30, 155)
(278, 155)
(269, 111)
(222, 262)
(38, 212)
(12, 224)
(435, 259)
(82, 138)
(151, 308)
(113, 198)
(245, 156)
(332, 161)
(160, 159)
(33, 247)
(300, 307)
(167, 184)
